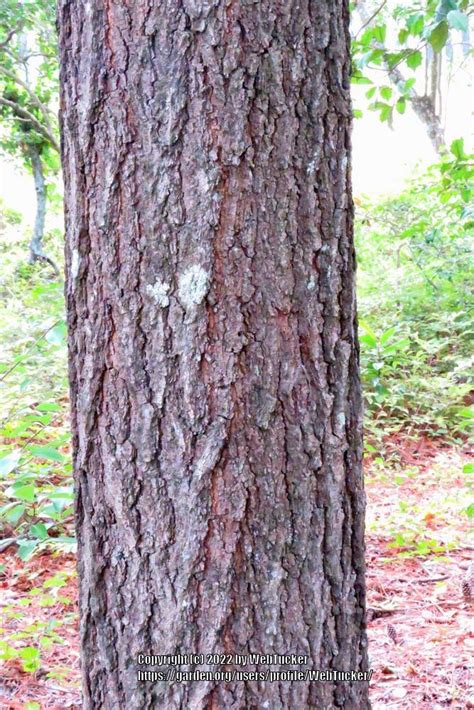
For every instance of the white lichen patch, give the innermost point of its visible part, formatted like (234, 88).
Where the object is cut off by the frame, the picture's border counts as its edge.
(311, 284)
(159, 293)
(193, 286)
(75, 262)
(202, 181)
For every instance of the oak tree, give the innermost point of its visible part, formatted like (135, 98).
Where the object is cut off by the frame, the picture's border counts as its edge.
(216, 406)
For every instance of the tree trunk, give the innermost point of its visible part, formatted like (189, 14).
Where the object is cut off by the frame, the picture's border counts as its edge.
(36, 243)
(216, 406)
(424, 108)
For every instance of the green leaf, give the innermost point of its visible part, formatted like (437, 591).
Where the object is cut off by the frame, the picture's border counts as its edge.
(46, 452)
(468, 467)
(59, 580)
(458, 20)
(470, 510)
(26, 548)
(401, 104)
(385, 112)
(414, 59)
(415, 23)
(457, 148)
(387, 335)
(47, 600)
(29, 653)
(66, 493)
(403, 36)
(368, 339)
(12, 512)
(6, 651)
(376, 56)
(359, 79)
(49, 407)
(26, 493)
(386, 92)
(32, 705)
(39, 530)
(379, 33)
(367, 37)
(368, 335)
(31, 658)
(439, 36)
(467, 412)
(10, 462)
(393, 58)
(399, 345)
(52, 511)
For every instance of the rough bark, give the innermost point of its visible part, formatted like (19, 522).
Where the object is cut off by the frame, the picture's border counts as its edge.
(216, 406)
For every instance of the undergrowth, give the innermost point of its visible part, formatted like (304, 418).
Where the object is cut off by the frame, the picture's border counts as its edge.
(35, 468)
(415, 298)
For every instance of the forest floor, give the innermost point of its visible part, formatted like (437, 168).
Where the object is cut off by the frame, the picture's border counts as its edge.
(421, 643)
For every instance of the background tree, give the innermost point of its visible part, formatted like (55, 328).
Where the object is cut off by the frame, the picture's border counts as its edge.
(28, 99)
(400, 39)
(216, 406)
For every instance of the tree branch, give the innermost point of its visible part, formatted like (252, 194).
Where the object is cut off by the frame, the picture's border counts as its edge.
(31, 94)
(8, 38)
(24, 113)
(424, 109)
(372, 17)
(422, 105)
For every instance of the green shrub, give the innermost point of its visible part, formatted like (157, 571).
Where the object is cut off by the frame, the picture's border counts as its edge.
(415, 292)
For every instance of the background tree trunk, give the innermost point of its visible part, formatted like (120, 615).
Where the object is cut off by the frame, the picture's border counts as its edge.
(424, 106)
(215, 393)
(36, 243)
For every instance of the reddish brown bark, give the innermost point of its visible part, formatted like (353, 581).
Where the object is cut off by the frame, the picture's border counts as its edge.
(213, 356)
